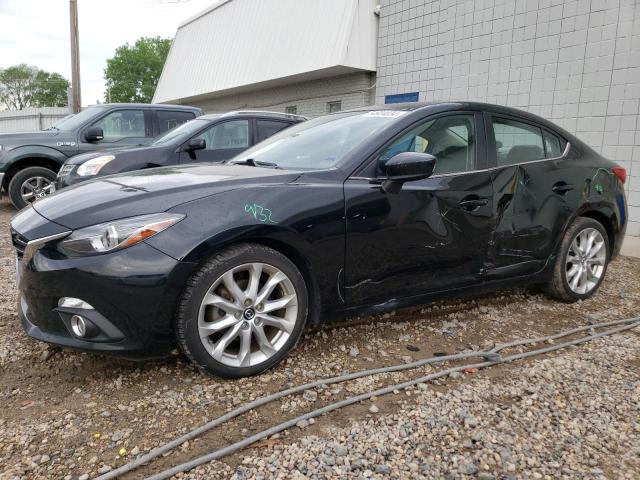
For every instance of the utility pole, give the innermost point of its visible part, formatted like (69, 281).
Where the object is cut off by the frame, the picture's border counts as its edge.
(76, 103)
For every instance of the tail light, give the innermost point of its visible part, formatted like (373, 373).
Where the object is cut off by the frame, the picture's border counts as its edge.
(621, 173)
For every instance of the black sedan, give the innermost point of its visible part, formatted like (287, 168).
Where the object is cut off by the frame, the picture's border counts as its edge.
(209, 138)
(352, 213)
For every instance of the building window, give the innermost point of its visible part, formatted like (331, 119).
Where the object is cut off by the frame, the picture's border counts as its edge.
(402, 97)
(334, 106)
(292, 109)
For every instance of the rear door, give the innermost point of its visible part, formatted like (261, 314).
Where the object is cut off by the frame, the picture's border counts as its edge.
(223, 140)
(433, 234)
(534, 194)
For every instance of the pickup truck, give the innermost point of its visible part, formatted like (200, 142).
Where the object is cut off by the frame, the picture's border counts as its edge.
(29, 162)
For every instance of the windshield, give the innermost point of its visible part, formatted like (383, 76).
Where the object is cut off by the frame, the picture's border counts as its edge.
(180, 133)
(319, 143)
(55, 124)
(71, 123)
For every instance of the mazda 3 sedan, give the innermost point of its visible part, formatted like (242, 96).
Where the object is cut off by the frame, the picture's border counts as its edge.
(353, 213)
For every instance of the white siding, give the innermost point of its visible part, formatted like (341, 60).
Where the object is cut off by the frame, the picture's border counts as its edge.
(240, 43)
(310, 98)
(30, 119)
(574, 62)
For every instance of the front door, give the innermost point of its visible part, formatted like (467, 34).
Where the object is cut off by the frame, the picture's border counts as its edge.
(432, 235)
(223, 141)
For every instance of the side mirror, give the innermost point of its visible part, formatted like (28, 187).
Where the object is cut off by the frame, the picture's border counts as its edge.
(196, 144)
(94, 134)
(407, 167)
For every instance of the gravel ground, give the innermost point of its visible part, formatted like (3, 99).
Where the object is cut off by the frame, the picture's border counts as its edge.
(573, 413)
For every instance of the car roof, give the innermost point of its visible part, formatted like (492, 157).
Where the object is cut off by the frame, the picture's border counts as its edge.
(255, 113)
(461, 105)
(161, 106)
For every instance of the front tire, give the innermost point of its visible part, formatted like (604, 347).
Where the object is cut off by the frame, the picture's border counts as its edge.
(242, 312)
(582, 261)
(31, 184)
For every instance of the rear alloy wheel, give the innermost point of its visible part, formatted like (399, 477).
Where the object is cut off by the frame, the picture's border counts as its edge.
(242, 312)
(582, 261)
(31, 184)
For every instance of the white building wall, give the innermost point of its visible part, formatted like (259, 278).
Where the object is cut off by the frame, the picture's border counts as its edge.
(310, 98)
(576, 63)
(30, 119)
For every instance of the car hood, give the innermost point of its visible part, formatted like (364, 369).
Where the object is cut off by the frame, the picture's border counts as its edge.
(150, 191)
(27, 137)
(121, 152)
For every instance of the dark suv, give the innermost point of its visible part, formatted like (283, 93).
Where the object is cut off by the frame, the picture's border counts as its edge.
(210, 138)
(29, 161)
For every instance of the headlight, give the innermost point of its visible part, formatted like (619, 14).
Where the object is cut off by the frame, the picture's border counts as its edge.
(93, 166)
(116, 235)
(65, 170)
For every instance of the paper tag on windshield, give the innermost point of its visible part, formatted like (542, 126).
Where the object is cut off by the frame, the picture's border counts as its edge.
(385, 113)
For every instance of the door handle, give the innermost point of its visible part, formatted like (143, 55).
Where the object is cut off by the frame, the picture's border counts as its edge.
(561, 188)
(472, 204)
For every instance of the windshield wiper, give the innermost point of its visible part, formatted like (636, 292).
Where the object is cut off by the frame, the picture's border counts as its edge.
(255, 163)
(52, 127)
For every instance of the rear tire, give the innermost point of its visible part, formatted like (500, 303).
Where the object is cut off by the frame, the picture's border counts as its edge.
(242, 312)
(31, 184)
(581, 263)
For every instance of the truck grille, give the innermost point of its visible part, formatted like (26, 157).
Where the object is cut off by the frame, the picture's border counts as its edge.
(19, 243)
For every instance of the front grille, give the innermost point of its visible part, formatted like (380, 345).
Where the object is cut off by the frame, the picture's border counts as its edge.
(19, 243)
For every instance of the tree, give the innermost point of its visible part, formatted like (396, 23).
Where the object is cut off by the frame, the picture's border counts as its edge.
(23, 86)
(133, 73)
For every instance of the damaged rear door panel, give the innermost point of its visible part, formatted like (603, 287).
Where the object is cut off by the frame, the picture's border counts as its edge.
(537, 188)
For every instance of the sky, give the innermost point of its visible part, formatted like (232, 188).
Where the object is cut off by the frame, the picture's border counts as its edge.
(36, 32)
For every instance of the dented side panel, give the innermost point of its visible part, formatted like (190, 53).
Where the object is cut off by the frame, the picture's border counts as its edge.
(417, 241)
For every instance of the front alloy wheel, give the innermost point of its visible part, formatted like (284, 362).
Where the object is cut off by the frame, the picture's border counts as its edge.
(242, 312)
(248, 315)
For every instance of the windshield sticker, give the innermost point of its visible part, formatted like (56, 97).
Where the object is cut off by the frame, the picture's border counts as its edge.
(384, 113)
(259, 213)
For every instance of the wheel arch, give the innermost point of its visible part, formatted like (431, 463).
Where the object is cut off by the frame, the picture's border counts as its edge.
(289, 247)
(603, 213)
(31, 160)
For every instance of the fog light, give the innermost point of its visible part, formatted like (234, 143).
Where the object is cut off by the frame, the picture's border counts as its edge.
(70, 302)
(78, 326)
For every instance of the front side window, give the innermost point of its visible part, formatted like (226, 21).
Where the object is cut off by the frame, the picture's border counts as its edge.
(227, 135)
(517, 142)
(450, 139)
(122, 124)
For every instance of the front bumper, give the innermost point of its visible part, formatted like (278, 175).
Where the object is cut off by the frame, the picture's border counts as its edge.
(133, 293)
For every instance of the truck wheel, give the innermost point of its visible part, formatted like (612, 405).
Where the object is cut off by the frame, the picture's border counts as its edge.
(31, 184)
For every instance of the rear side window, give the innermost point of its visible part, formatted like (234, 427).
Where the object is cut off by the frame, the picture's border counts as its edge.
(552, 145)
(266, 128)
(168, 120)
(517, 142)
